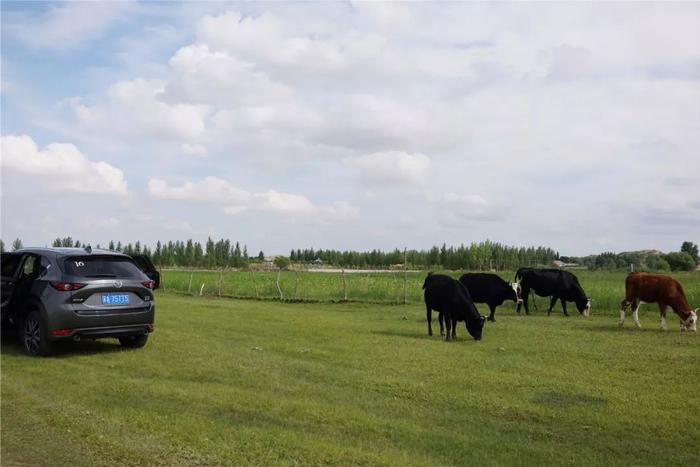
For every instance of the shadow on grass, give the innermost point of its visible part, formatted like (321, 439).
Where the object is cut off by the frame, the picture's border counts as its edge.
(10, 346)
(407, 334)
(560, 399)
(463, 336)
(616, 329)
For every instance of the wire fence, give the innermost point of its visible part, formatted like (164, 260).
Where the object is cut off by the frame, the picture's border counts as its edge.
(383, 287)
(606, 288)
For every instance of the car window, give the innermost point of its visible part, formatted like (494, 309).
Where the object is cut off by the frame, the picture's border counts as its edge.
(143, 262)
(10, 264)
(30, 267)
(102, 266)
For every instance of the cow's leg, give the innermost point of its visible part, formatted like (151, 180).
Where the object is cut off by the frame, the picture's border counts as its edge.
(429, 317)
(563, 306)
(526, 295)
(635, 314)
(662, 312)
(441, 320)
(623, 306)
(454, 329)
(552, 302)
(448, 321)
(492, 315)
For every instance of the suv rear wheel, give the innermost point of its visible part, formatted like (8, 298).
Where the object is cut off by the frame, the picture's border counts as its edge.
(134, 342)
(33, 337)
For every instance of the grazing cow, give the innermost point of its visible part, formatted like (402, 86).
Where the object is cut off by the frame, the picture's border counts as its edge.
(555, 283)
(643, 287)
(451, 299)
(490, 289)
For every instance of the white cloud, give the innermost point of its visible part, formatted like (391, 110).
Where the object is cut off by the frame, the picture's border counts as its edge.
(456, 209)
(61, 167)
(140, 109)
(233, 200)
(207, 77)
(208, 190)
(193, 149)
(392, 168)
(70, 24)
(86, 116)
(269, 38)
(298, 208)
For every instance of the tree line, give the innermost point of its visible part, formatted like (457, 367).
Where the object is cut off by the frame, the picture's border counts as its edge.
(486, 255)
(684, 260)
(226, 253)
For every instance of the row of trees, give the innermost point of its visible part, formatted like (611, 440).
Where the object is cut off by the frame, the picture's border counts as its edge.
(485, 255)
(476, 256)
(190, 253)
(226, 253)
(684, 260)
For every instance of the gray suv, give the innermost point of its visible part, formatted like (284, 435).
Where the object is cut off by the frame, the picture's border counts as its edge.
(52, 294)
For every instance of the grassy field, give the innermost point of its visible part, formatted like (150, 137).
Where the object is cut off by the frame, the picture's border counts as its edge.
(240, 382)
(606, 288)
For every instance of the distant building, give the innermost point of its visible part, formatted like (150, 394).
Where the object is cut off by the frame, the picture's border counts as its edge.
(561, 264)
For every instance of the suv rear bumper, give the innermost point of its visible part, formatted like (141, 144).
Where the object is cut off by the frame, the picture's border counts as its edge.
(118, 323)
(106, 331)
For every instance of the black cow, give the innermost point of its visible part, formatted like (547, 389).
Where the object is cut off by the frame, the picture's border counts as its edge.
(555, 283)
(451, 299)
(490, 289)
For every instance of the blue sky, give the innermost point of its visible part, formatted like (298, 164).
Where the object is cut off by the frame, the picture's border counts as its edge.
(352, 125)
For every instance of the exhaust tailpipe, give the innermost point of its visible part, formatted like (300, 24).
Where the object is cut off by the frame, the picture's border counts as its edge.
(76, 338)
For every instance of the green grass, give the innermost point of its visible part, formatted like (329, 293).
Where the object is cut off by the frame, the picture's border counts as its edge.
(236, 382)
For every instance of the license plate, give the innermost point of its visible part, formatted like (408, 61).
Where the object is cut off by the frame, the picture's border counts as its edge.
(115, 299)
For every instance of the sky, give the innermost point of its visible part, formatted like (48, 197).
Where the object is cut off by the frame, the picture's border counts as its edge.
(352, 125)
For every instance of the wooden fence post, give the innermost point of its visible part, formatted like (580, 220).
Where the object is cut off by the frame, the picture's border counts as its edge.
(296, 285)
(405, 278)
(189, 287)
(221, 280)
(345, 288)
(279, 289)
(255, 283)
(201, 289)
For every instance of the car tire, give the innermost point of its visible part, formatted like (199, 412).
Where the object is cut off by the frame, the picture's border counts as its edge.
(33, 335)
(134, 342)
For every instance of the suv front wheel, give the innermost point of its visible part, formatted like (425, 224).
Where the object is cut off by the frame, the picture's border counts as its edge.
(32, 334)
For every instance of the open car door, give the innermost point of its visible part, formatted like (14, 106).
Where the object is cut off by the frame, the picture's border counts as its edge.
(9, 264)
(146, 265)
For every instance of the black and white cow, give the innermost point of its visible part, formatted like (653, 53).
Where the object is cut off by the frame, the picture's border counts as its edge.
(555, 283)
(490, 289)
(451, 299)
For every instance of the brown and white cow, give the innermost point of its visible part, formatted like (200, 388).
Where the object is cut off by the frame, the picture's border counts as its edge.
(642, 287)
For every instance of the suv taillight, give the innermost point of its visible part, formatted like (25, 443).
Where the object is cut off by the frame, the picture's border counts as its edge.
(149, 284)
(67, 286)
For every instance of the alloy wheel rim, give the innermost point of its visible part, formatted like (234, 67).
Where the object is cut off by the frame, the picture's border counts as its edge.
(32, 335)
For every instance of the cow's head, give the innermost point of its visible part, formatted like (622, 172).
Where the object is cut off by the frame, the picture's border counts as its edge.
(476, 327)
(517, 290)
(584, 306)
(691, 322)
